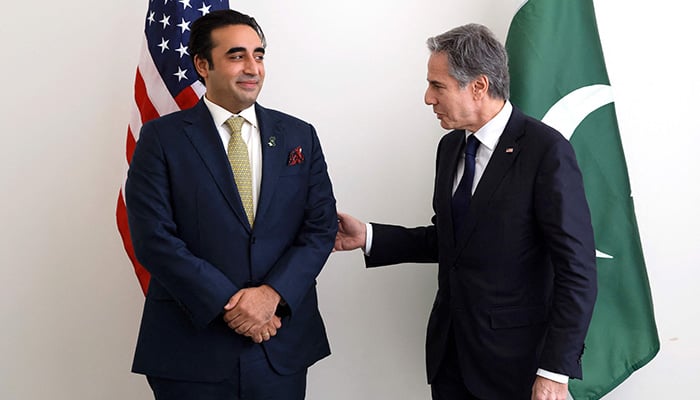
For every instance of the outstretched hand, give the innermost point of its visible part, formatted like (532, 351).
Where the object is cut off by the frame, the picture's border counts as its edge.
(352, 233)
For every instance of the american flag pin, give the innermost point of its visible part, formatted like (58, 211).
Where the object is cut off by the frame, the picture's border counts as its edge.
(509, 150)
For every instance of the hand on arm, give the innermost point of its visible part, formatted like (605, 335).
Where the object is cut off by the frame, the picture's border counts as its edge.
(352, 233)
(546, 389)
(251, 312)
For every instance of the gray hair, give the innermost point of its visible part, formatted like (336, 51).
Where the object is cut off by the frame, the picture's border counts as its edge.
(473, 50)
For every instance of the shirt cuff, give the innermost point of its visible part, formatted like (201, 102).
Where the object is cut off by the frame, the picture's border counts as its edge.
(553, 376)
(368, 239)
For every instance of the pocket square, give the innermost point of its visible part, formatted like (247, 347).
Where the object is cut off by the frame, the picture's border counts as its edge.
(296, 157)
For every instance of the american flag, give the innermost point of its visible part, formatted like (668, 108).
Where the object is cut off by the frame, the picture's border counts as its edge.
(165, 82)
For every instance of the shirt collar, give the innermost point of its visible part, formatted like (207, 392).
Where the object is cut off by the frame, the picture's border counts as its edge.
(220, 114)
(489, 134)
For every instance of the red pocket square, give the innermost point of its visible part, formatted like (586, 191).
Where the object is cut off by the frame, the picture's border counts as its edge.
(295, 157)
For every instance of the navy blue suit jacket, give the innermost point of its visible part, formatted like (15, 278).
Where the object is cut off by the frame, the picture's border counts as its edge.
(190, 231)
(517, 288)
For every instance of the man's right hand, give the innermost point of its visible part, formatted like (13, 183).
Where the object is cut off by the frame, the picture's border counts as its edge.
(266, 332)
(352, 233)
(251, 312)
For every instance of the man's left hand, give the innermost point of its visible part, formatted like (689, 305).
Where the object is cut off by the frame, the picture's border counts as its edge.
(547, 389)
(250, 309)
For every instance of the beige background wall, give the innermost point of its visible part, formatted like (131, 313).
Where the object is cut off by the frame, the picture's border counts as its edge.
(70, 304)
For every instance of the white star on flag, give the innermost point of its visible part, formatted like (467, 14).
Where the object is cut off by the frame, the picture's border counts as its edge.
(184, 25)
(165, 21)
(205, 9)
(180, 74)
(164, 45)
(182, 50)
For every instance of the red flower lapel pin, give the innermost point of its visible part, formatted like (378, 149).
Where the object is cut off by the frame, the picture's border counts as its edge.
(295, 157)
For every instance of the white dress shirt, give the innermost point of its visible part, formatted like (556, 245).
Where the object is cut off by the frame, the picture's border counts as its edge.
(250, 132)
(488, 136)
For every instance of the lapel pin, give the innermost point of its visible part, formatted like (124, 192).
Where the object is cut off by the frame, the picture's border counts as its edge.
(272, 142)
(509, 150)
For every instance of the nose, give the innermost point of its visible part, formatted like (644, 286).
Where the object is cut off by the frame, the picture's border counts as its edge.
(428, 98)
(251, 65)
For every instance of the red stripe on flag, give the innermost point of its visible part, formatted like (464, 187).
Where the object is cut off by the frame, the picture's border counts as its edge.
(146, 109)
(147, 112)
(187, 98)
(123, 225)
(130, 145)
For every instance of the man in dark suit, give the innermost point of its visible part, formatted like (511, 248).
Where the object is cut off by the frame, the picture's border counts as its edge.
(232, 212)
(511, 233)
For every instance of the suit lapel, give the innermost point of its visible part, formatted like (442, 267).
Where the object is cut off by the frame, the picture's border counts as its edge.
(273, 156)
(501, 160)
(453, 145)
(204, 136)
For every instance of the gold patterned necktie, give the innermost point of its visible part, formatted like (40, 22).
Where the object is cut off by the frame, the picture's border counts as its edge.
(240, 165)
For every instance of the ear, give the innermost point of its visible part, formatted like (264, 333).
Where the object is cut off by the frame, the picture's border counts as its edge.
(202, 66)
(480, 86)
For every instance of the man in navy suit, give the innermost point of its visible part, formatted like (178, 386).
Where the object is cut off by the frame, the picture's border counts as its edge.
(516, 277)
(231, 311)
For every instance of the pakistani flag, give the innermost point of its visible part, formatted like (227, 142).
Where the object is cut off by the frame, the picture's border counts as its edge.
(558, 75)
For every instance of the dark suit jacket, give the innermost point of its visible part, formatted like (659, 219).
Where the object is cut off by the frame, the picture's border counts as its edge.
(190, 231)
(518, 287)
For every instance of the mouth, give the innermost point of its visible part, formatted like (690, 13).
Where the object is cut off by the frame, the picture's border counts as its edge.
(248, 84)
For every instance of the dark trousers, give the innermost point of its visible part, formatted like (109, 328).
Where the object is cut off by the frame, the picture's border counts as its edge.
(448, 384)
(254, 379)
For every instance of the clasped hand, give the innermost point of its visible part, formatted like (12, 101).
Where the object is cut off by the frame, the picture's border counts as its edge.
(251, 312)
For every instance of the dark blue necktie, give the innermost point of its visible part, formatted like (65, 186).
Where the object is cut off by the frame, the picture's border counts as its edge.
(463, 195)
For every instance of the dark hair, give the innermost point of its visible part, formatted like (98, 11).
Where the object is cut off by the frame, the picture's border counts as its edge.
(200, 35)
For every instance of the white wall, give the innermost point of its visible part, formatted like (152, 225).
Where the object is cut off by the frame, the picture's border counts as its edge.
(70, 304)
